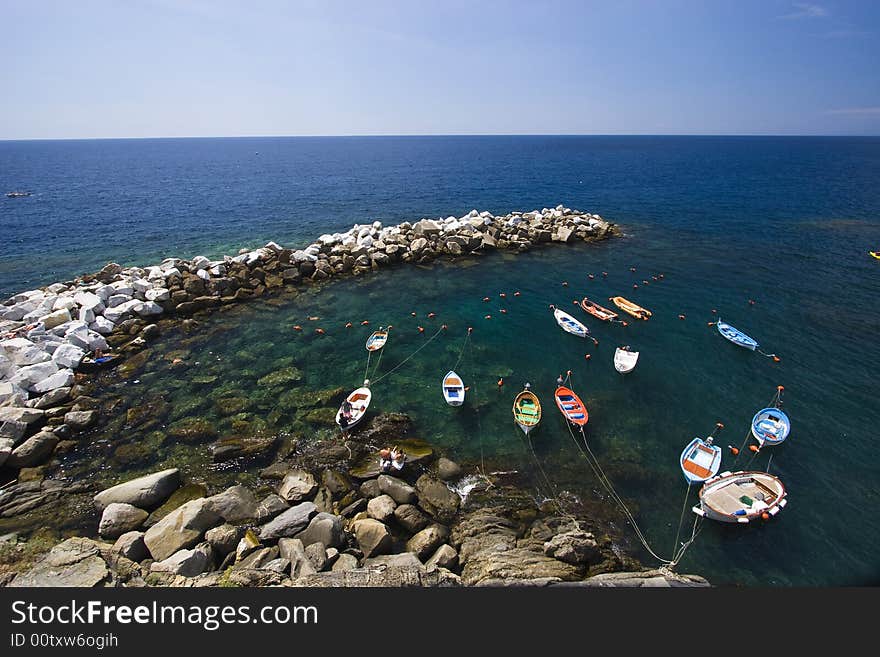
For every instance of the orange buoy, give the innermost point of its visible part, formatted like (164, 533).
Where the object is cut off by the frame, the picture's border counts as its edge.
(780, 388)
(319, 331)
(719, 425)
(635, 286)
(467, 388)
(654, 278)
(503, 311)
(605, 274)
(733, 450)
(297, 327)
(364, 323)
(765, 516)
(503, 295)
(485, 298)
(710, 323)
(413, 314)
(754, 448)
(625, 323)
(500, 382)
(776, 359)
(516, 294)
(176, 361)
(681, 316)
(432, 315)
(443, 327)
(574, 301)
(421, 329)
(751, 302)
(488, 317)
(348, 325)
(314, 319)
(645, 282)
(587, 356)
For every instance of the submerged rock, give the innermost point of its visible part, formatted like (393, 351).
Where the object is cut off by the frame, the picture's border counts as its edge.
(144, 492)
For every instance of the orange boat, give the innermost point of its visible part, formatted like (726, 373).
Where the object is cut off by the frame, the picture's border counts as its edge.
(597, 311)
(628, 306)
(571, 406)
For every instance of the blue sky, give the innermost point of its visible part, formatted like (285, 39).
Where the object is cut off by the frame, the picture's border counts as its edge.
(141, 68)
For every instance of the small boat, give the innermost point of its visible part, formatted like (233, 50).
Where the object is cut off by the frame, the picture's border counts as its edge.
(741, 497)
(770, 426)
(453, 389)
(356, 404)
(17, 194)
(597, 311)
(875, 254)
(92, 364)
(526, 410)
(377, 340)
(625, 360)
(569, 324)
(736, 336)
(633, 309)
(571, 406)
(700, 460)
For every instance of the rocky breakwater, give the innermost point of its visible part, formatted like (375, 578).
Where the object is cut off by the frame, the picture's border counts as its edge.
(330, 520)
(51, 334)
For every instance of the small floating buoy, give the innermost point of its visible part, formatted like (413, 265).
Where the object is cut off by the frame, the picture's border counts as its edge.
(431, 315)
(645, 282)
(552, 307)
(500, 382)
(661, 275)
(765, 516)
(443, 327)
(776, 359)
(733, 450)
(632, 268)
(564, 283)
(719, 425)
(502, 295)
(681, 316)
(574, 301)
(605, 274)
(503, 311)
(710, 323)
(714, 312)
(635, 286)
(516, 294)
(348, 325)
(485, 298)
(753, 448)
(364, 323)
(297, 327)
(780, 388)
(625, 323)
(413, 314)
(488, 317)
(751, 302)
(587, 356)
(319, 331)
(176, 361)
(470, 329)
(590, 276)
(421, 329)
(314, 319)
(654, 278)
(467, 388)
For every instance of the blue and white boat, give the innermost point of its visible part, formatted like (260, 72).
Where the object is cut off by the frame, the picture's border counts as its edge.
(770, 426)
(700, 460)
(736, 336)
(569, 324)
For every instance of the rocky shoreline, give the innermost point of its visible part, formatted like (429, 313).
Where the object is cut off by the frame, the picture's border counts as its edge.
(332, 519)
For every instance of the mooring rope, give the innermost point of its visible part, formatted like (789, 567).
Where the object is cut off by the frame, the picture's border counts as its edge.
(395, 368)
(775, 402)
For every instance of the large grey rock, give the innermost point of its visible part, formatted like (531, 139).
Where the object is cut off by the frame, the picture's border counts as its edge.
(6, 446)
(400, 491)
(63, 378)
(404, 560)
(279, 565)
(76, 562)
(23, 414)
(298, 485)
(35, 450)
(144, 492)
(188, 563)
(224, 538)
(324, 528)
(444, 557)
(68, 355)
(345, 562)
(317, 555)
(131, 546)
(293, 550)
(288, 523)
(119, 518)
(22, 352)
(447, 470)
(372, 536)
(236, 504)
(270, 506)
(381, 508)
(53, 398)
(80, 420)
(180, 529)
(424, 543)
(28, 377)
(411, 518)
(370, 488)
(258, 558)
(436, 498)
(574, 547)
(642, 579)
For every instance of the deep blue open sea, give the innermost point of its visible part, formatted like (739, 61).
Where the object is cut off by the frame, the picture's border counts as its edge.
(785, 222)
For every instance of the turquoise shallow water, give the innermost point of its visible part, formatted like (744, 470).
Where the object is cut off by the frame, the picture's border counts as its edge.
(786, 223)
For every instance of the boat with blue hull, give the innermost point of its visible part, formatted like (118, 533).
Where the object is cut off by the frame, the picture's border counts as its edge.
(736, 336)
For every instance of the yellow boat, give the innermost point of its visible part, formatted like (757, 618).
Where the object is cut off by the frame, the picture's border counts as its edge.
(876, 254)
(526, 410)
(628, 306)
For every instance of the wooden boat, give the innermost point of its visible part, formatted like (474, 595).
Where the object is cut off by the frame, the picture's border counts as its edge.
(597, 311)
(736, 336)
(453, 389)
(875, 254)
(700, 460)
(359, 401)
(770, 426)
(625, 360)
(569, 324)
(571, 406)
(526, 410)
(741, 497)
(92, 364)
(633, 309)
(377, 340)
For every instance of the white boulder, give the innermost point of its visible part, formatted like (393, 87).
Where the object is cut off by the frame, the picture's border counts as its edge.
(61, 379)
(68, 355)
(158, 294)
(22, 352)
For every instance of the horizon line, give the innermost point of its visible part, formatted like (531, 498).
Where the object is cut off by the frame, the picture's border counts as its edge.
(463, 134)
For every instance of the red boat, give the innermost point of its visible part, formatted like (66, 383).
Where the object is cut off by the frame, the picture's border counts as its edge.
(571, 406)
(597, 311)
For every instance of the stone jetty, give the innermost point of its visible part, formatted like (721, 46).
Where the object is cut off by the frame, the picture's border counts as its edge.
(49, 334)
